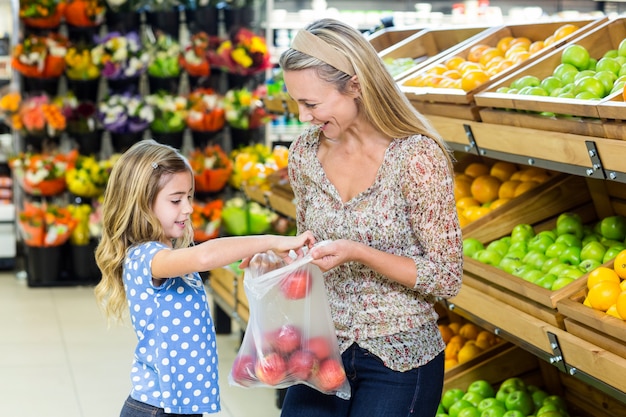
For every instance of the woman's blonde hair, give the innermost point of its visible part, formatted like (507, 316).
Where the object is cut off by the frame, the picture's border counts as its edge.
(382, 102)
(127, 216)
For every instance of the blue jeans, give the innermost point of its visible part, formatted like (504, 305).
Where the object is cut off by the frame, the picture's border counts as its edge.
(134, 408)
(377, 391)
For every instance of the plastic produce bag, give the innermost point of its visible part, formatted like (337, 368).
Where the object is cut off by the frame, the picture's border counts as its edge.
(290, 337)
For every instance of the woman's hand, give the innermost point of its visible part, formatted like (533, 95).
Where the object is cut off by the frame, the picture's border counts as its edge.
(331, 254)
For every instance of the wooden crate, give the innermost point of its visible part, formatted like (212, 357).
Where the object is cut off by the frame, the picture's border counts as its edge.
(430, 45)
(446, 97)
(597, 41)
(227, 287)
(612, 111)
(385, 38)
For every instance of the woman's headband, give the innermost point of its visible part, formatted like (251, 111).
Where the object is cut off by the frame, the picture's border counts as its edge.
(309, 44)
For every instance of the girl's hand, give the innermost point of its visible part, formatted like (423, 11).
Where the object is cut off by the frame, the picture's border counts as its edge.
(330, 255)
(295, 243)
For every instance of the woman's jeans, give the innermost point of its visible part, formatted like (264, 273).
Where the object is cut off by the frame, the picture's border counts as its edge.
(134, 408)
(377, 391)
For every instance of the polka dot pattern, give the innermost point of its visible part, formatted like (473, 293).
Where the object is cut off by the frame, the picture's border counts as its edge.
(175, 363)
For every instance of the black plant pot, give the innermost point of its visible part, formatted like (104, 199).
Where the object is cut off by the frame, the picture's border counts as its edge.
(44, 265)
(166, 21)
(123, 85)
(174, 139)
(84, 90)
(238, 17)
(203, 19)
(122, 141)
(213, 81)
(167, 84)
(49, 86)
(84, 267)
(39, 143)
(82, 34)
(89, 142)
(123, 22)
(244, 137)
(202, 139)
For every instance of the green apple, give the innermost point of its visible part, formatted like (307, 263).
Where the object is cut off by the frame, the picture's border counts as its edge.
(488, 257)
(555, 249)
(490, 401)
(535, 259)
(526, 81)
(591, 237)
(540, 242)
(459, 405)
(572, 271)
(593, 250)
(520, 400)
(608, 64)
(576, 55)
(509, 265)
(618, 86)
(591, 86)
(551, 83)
(532, 275)
(534, 91)
(474, 397)
(613, 227)
(569, 240)
(538, 396)
(522, 232)
(569, 223)
(589, 265)
(611, 53)
(571, 255)
(561, 282)
(549, 264)
(621, 48)
(583, 74)
(512, 384)
(481, 387)
(607, 78)
(451, 396)
(471, 246)
(501, 246)
(556, 400)
(546, 281)
(612, 252)
(493, 411)
(440, 409)
(520, 271)
(586, 95)
(565, 72)
(513, 413)
(469, 412)
(517, 247)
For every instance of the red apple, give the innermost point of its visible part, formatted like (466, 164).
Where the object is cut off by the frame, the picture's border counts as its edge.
(330, 375)
(243, 370)
(296, 285)
(271, 369)
(286, 339)
(302, 364)
(320, 346)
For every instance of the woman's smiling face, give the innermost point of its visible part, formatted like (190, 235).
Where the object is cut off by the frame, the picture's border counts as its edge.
(320, 103)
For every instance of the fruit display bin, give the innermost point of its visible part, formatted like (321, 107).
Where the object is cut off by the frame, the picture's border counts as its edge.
(594, 326)
(429, 45)
(460, 104)
(384, 38)
(583, 116)
(612, 112)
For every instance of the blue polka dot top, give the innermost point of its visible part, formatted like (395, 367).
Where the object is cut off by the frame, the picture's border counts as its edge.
(175, 363)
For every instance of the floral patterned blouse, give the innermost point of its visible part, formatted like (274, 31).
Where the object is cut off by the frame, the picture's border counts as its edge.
(409, 211)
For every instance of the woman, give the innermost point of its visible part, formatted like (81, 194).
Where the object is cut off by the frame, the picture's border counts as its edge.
(373, 176)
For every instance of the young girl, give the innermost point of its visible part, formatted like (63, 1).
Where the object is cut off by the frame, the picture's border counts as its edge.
(148, 262)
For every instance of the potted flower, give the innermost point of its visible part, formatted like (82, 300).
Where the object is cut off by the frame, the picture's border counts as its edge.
(83, 18)
(122, 58)
(126, 117)
(202, 16)
(168, 125)
(205, 117)
(164, 15)
(42, 174)
(40, 60)
(82, 123)
(206, 219)
(194, 59)
(39, 121)
(41, 14)
(45, 229)
(242, 56)
(164, 68)
(88, 177)
(245, 115)
(83, 242)
(83, 75)
(122, 16)
(212, 168)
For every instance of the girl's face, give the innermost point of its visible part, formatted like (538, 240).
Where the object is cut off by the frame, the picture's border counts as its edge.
(319, 102)
(172, 205)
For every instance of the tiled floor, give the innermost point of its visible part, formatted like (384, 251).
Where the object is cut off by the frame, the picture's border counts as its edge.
(59, 359)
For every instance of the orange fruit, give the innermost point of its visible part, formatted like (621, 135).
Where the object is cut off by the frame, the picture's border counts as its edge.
(452, 350)
(485, 188)
(437, 69)
(520, 57)
(503, 170)
(489, 54)
(465, 202)
(504, 43)
(624, 93)
(446, 333)
(498, 203)
(462, 189)
(619, 264)
(540, 178)
(536, 47)
(450, 363)
(507, 189)
(524, 187)
(476, 169)
(622, 285)
(468, 352)
(528, 173)
(469, 331)
(620, 304)
(453, 73)
(454, 62)
(603, 295)
(472, 79)
(468, 66)
(612, 311)
(514, 50)
(485, 339)
(455, 326)
(475, 212)
(549, 41)
(476, 51)
(463, 221)
(565, 30)
(602, 273)
(521, 41)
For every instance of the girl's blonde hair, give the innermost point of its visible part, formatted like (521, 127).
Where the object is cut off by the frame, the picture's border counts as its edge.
(127, 216)
(381, 101)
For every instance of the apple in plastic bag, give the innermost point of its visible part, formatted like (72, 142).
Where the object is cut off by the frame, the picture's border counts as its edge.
(296, 285)
(320, 346)
(302, 365)
(271, 369)
(243, 371)
(285, 339)
(330, 375)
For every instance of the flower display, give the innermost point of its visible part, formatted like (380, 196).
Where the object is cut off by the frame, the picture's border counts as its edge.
(206, 110)
(245, 53)
(195, 56)
(10, 104)
(40, 173)
(120, 56)
(42, 13)
(254, 164)
(125, 113)
(45, 225)
(40, 56)
(164, 56)
(169, 112)
(37, 115)
(80, 116)
(88, 177)
(211, 167)
(79, 64)
(206, 219)
(84, 13)
(244, 109)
